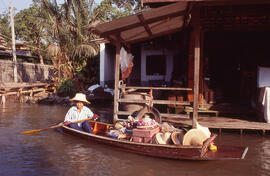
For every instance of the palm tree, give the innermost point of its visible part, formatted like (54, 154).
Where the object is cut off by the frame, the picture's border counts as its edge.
(66, 30)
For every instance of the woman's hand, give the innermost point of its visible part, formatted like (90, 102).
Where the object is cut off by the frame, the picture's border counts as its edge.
(95, 117)
(66, 123)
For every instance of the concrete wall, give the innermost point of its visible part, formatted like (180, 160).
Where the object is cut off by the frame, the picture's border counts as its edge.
(27, 72)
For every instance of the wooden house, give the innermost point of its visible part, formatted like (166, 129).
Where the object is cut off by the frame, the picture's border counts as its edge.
(216, 46)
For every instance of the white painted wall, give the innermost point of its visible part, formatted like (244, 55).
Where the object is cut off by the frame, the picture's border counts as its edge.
(169, 65)
(107, 62)
(102, 56)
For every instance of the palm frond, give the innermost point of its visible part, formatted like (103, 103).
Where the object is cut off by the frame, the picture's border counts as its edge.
(84, 50)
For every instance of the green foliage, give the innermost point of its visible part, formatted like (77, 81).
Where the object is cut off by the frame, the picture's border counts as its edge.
(29, 28)
(5, 30)
(113, 9)
(63, 30)
(66, 88)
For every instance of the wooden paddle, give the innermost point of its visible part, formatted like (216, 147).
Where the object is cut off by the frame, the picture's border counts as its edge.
(51, 127)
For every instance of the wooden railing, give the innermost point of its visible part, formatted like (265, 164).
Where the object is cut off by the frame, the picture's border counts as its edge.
(127, 89)
(19, 89)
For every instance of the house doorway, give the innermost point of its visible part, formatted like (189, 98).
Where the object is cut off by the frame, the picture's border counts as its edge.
(232, 60)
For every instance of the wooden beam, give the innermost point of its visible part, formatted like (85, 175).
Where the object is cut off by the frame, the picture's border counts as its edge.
(196, 25)
(163, 115)
(116, 82)
(122, 41)
(166, 102)
(146, 22)
(157, 88)
(186, 17)
(156, 35)
(3, 102)
(219, 1)
(231, 2)
(146, 27)
(201, 80)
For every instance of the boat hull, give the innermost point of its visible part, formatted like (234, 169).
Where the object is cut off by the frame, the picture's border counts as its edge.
(164, 151)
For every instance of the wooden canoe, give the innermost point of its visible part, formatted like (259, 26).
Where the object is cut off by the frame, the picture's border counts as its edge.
(159, 150)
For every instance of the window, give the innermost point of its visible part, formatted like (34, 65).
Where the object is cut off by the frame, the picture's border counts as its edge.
(156, 65)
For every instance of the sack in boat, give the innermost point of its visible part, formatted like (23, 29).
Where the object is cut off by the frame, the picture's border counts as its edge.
(194, 137)
(177, 137)
(163, 138)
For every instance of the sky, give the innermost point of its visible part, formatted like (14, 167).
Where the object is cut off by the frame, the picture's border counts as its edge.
(18, 5)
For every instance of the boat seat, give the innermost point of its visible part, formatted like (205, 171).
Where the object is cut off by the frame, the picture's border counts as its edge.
(99, 128)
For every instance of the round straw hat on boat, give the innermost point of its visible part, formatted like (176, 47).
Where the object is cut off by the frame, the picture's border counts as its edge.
(163, 138)
(80, 97)
(194, 137)
(177, 137)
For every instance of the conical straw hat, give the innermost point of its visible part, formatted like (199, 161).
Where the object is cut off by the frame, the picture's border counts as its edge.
(80, 97)
(177, 137)
(204, 129)
(163, 138)
(194, 137)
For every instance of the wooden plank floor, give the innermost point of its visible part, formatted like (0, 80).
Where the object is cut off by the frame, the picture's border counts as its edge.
(218, 122)
(10, 86)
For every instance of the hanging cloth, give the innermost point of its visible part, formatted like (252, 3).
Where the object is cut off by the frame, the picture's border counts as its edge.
(126, 63)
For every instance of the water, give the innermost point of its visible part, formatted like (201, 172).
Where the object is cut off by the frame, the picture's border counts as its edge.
(51, 152)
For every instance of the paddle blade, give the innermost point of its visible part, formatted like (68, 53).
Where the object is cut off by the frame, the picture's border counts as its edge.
(31, 131)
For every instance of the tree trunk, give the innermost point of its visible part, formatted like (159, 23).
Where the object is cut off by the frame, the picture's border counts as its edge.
(39, 54)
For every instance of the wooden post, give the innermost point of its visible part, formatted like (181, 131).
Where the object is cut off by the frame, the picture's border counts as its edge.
(3, 99)
(116, 82)
(31, 92)
(190, 95)
(19, 94)
(201, 79)
(196, 67)
(13, 42)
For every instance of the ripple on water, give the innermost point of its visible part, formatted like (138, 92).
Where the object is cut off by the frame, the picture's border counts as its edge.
(53, 153)
(264, 157)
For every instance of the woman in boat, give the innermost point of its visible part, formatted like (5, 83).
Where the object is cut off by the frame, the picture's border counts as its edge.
(79, 112)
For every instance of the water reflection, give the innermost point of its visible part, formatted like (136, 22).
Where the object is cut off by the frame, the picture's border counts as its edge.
(263, 150)
(54, 153)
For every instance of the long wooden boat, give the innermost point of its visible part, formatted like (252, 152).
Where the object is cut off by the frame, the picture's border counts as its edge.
(160, 150)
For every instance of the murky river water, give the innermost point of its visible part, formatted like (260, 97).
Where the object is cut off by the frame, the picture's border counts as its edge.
(53, 153)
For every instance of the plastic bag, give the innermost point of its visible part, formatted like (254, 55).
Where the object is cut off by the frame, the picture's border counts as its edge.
(125, 59)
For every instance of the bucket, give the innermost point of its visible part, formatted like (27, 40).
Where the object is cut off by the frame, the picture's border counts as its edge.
(132, 107)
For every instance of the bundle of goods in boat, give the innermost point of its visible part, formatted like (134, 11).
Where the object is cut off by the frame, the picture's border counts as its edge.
(147, 130)
(144, 135)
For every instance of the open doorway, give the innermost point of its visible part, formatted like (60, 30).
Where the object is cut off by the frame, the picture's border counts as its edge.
(232, 60)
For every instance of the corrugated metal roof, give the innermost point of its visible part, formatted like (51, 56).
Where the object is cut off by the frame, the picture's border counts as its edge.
(145, 25)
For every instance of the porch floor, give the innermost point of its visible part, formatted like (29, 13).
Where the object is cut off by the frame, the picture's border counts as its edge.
(216, 122)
